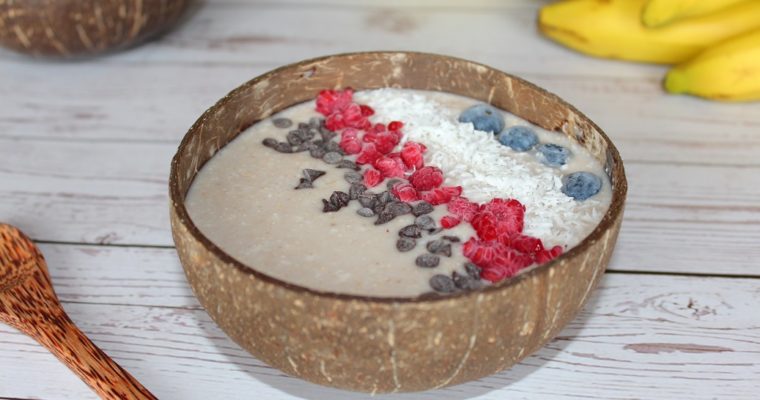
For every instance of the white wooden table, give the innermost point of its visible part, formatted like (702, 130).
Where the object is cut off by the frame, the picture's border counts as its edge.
(84, 158)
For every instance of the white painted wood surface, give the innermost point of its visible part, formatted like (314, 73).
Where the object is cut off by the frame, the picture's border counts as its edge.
(84, 156)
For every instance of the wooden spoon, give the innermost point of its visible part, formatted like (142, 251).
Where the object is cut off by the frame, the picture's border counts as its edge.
(29, 304)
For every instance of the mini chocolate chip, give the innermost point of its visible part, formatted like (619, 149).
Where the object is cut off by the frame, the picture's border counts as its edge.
(303, 125)
(439, 246)
(304, 183)
(383, 217)
(405, 244)
(465, 282)
(312, 175)
(452, 239)
(353, 177)
(427, 261)
(319, 143)
(435, 231)
(347, 164)
(367, 200)
(421, 208)
(294, 138)
(425, 222)
(356, 190)
(472, 270)
(392, 182)
(282, 123)
(317, 152)
(328, 206)
(410, 231)
(398, 208)
(339, 198)
(442, 283)
(385, 197)
(333, 146)
(284, 147)
(326, 134)
(270, 142)
(332, 157)
(307, 134)
(305, 146)
(315, 122)
(365, 212)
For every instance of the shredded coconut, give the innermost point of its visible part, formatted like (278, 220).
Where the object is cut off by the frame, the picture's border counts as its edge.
(486, 169)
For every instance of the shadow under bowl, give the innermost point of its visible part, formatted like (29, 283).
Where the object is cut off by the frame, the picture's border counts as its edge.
(373, 344)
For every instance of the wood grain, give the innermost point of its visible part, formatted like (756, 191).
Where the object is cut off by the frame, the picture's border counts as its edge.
(643, 337)
(29, 304)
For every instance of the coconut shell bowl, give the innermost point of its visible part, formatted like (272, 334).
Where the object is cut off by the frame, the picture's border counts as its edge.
(373, 344)
(70, 28)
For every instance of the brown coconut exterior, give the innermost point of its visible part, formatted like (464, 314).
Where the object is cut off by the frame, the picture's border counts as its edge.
(389, 344)
(68, 28)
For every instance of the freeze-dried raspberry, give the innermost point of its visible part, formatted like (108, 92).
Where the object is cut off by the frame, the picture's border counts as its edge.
(368, 154)
(366, 110)
(351, 146)
(372, 177)
(411, 153)
(480, 252)
(450, 221)
(463, 208)
(331, 101)
(395, 125)
(389, 167)
(385, 142)
(426, 178)
(404, 192)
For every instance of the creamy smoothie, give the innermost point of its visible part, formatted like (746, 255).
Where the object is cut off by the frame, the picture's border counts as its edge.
(397, 193)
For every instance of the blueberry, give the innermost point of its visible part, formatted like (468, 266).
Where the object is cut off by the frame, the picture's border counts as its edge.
(519, 138)
(581, 185)
(484, 118)
(553, 155)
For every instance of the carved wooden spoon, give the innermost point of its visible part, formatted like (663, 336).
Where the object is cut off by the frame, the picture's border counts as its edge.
(29, 304)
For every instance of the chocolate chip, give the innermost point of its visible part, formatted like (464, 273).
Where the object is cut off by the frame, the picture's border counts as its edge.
(317, 152)
(353, 177)
(284, 147)
(383, 217)
(410, 231)
(270, 142)
(392, 182)
(425, 222)
(312, 175)
(347, 164)
(405, 244)
(452, 239)
(282, 123)
(332, 146)
(439, 246)
(435, 231)
(421, 208)
(385, 197)
(315, 122)
(326, 134)
(303, 125)
(465, 282)
(356, 190)
(332, 157)
(367, 200)
(294, 138)
(319, 143)
(304, 183)
(340, 198)
(427, 261)
(328, 206)
(365, 212)
(442, 283)
(398, 208)
(472, 270)
(305, 146)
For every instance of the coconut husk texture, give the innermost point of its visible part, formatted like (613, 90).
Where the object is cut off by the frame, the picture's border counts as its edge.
(69, 28)
(389, 344)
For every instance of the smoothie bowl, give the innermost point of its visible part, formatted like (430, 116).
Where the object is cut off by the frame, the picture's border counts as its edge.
(392, 221)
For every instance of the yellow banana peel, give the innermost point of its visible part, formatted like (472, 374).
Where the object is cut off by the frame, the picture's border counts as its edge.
(658, 13)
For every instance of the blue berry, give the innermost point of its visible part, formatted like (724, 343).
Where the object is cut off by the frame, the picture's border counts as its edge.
(581, 185)
(553, 155)
(484, 118)
(519, 138)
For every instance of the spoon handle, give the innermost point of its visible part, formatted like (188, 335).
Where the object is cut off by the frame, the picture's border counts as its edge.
(92, 365)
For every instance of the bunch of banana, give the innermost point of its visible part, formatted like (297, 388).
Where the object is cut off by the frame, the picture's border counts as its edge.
(715, 43)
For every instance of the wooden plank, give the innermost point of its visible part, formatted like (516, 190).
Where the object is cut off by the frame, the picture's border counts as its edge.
(679, 218)
(640, 336)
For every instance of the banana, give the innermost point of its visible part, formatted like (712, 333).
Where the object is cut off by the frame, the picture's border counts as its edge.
(728, 71)
(613, 29)
(662, 12)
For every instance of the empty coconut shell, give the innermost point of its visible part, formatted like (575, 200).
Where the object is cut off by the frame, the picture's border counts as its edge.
(66, 28)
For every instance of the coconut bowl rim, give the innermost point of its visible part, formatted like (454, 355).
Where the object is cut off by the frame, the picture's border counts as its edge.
(177, 199)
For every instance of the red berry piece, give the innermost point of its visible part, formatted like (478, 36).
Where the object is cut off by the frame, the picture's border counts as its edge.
(411, 153)
(404, 192)
(372, 177)
(395, 125)
(385, 143)
(485, 226)
(331, 101)
(507, 215)
(480, 252)
(351, 146)
(389, 167)
(450, 221)
(453, 191)
(366, 110)
(525, 244)
(368, 154)
(436, 196)
(427, 178)
(463, 208)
